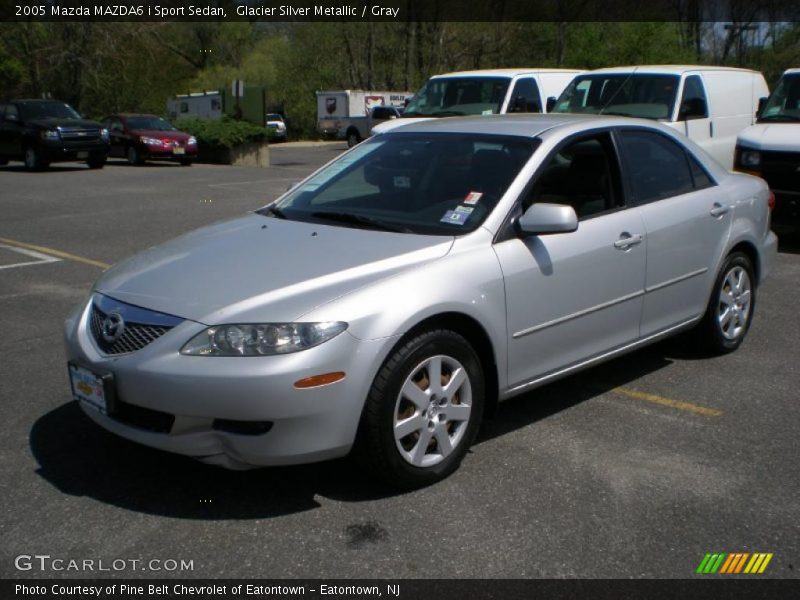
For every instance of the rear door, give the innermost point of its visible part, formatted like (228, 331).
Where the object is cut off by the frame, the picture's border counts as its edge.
(687, 219)
(574, 296)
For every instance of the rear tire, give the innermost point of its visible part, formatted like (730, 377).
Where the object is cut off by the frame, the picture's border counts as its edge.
(730, 309)
(423, 410)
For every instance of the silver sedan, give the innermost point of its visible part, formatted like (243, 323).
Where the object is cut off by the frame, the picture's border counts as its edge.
(385, 303)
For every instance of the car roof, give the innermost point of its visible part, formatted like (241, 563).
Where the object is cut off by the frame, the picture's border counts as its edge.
(665, 69)
(504, 72)
(793, 71)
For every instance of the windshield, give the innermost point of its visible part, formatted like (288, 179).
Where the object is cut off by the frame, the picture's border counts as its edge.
(43, 110)
(453, 96)
(438, 184)
(630, 95)
(151, 123)
(784, 102)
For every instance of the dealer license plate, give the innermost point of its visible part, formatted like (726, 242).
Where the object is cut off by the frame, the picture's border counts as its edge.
(177, 150)
(83, 155)
(88, 388)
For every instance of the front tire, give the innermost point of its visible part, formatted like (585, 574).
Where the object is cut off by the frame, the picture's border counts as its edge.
(353, 138)
(134, 158)
(730, 309)
(34, 160)
(423, 410)
(96, 162)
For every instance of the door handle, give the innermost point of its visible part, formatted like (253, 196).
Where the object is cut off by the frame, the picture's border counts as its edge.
(627, 240)
(718, 209)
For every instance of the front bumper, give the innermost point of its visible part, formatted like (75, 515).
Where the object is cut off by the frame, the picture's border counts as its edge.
(150, 152)
(56, 151)
(306, 425)
(786, 214)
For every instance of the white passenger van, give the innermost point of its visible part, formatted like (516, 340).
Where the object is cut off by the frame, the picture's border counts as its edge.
(485, 92)
(711, 105)
(771, 150)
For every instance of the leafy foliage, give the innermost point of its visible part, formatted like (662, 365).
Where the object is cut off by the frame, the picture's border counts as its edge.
(225, 132)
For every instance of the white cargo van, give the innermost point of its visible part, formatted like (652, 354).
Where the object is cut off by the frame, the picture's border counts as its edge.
(771, 150)
(485, 92)
(711, 105)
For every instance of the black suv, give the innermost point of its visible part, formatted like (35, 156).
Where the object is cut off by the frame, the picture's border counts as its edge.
(39, 132)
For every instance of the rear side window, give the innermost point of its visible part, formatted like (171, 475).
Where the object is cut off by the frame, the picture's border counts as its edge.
(525, 97)
(657, 167)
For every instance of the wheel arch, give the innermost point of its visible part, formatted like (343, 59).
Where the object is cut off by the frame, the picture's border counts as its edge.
(478, 338)
(748, 248)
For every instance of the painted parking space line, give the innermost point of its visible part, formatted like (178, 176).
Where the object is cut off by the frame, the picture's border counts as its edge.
(41, 259)
(661, 400)
(53, 253)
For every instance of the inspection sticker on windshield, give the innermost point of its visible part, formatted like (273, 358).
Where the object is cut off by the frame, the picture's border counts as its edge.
(473, 197)
(454, 218)
(465, 209)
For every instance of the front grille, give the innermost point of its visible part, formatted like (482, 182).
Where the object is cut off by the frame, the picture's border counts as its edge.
(74, 134)
(140, 326)
(781, 170)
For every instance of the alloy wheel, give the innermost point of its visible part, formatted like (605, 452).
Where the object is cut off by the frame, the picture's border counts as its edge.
(432, 411)
(734, 303)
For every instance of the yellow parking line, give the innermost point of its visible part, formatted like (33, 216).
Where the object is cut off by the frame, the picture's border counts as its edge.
(54, 252)
(678, 404)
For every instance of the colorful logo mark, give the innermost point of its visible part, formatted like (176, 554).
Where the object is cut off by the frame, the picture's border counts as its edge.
(734, 562)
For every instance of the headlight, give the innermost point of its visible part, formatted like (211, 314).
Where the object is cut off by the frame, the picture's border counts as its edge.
(50, 134)
(262, 339)
(750, 158)
(191, 141)
(150, 141)
(104, 134)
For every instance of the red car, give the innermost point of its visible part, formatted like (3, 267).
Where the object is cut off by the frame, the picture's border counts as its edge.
(140, 138)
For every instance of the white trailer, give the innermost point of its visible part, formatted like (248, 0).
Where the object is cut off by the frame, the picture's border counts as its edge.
(205, 105)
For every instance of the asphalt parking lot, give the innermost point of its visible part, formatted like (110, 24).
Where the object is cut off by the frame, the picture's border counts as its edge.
(636, 468)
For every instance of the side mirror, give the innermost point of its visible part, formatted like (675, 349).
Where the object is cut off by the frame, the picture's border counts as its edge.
(543, 218)
(762, 102)
(551, 103)
(693, 108)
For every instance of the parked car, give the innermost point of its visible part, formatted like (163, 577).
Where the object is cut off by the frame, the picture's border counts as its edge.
(277, 126)
(711, 105)
(389, 300)
(40, 132)
(141, 137)
(771, 150)
(484, 92)
(351, 114)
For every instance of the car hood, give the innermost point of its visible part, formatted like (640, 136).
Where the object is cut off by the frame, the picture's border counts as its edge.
(780, 137)
(261, 269)
(162, 135)
(53, 122)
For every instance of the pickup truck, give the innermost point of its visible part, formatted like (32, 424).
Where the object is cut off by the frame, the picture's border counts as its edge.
(351, 114)
(40, 132)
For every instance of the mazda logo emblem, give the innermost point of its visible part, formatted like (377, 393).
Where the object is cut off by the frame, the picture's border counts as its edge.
(112, 327)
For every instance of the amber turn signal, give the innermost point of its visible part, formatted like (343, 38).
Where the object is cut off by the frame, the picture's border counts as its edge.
(318, 380)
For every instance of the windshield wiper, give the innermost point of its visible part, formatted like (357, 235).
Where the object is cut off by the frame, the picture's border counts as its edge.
(275, 212)
(448, 113)
(615, 113)
(360, 220)
(779, 117)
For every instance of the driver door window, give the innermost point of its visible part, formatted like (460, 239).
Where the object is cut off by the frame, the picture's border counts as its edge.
(584, 174)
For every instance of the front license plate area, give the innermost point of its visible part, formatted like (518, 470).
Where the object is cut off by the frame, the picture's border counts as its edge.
(177, 150)
(83, 155)
(89, 388)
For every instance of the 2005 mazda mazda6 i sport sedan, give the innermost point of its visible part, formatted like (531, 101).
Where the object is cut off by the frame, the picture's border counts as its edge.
(387, 301)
